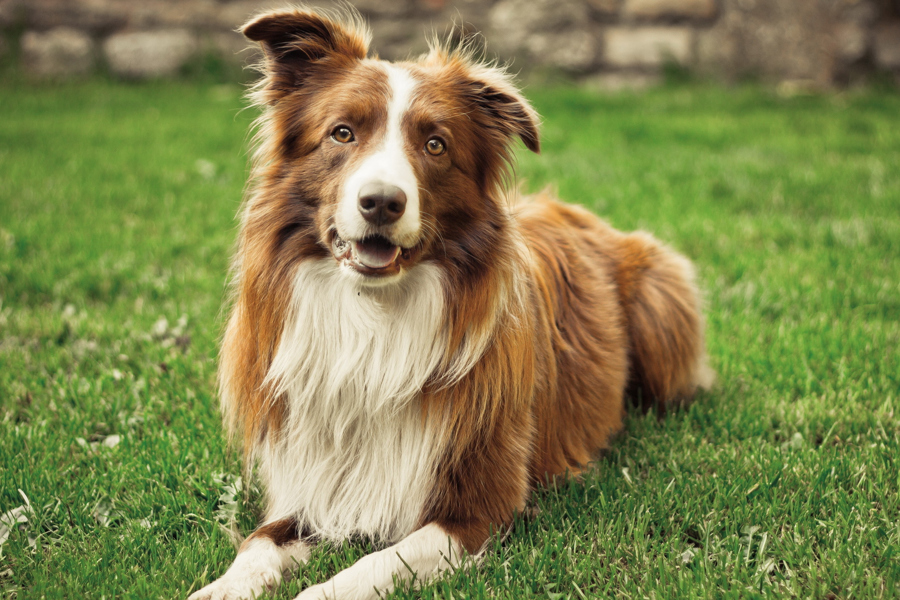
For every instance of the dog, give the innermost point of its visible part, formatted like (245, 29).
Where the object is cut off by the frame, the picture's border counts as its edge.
(412, 348)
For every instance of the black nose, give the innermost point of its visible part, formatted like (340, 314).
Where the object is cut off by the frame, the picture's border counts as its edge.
(381, 203)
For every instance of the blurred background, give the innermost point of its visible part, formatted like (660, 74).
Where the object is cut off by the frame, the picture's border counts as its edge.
(609, 44)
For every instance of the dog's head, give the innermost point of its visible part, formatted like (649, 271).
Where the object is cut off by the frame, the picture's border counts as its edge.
(382, 164)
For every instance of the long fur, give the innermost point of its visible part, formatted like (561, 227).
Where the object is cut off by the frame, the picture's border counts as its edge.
(352, 364)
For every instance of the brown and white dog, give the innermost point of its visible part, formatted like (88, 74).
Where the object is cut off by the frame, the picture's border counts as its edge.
(412, 348)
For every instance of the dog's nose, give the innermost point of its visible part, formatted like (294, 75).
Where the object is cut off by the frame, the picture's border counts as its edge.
(381, 203)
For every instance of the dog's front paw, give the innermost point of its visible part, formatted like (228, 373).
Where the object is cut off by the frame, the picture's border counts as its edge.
(238, 588)
(322, 591)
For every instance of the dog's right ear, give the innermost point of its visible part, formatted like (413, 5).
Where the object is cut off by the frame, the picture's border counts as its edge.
(295, 42)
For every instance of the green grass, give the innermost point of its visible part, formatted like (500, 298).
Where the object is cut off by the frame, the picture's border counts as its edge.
(117, 208)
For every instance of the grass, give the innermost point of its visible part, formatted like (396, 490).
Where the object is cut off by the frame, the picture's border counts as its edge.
(117, 208)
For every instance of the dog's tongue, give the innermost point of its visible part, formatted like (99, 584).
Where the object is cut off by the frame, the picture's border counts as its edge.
(375, 252)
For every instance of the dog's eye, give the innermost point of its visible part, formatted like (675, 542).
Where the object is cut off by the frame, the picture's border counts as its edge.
(342, 134)
(435, 146)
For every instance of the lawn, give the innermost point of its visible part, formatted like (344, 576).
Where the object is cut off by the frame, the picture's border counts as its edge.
(117, 218)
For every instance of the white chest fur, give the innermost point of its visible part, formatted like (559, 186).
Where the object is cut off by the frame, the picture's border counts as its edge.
(355, 455)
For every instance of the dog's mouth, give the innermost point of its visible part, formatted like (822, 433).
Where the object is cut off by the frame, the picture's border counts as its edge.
(373, 255)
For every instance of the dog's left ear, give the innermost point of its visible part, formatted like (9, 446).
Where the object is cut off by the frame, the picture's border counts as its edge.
(492, 91)
(295, 42)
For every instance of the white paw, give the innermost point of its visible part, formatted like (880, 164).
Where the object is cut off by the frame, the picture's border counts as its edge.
(238, 588)
(322, 591)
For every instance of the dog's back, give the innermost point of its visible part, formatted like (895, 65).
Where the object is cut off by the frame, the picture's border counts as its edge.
(621, 314)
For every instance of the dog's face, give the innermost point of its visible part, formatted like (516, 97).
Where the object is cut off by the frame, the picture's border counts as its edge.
(384, 165)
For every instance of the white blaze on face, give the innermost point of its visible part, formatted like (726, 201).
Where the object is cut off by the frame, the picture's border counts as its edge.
(388, 163)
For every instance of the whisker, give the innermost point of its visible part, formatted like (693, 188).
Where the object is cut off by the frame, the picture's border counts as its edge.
(433, 229)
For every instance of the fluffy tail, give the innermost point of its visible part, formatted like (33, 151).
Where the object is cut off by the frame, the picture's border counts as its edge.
(665, 324)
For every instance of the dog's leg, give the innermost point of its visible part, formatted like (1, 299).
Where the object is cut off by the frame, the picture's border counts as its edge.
(422, 555)
(261, 560)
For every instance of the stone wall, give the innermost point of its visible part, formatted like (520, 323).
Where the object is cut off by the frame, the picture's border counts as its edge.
(608, 43)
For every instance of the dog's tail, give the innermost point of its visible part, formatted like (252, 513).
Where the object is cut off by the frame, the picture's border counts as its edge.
(665, 323)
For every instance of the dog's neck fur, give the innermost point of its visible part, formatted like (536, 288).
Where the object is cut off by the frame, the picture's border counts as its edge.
(352, 350)
(355, 454)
